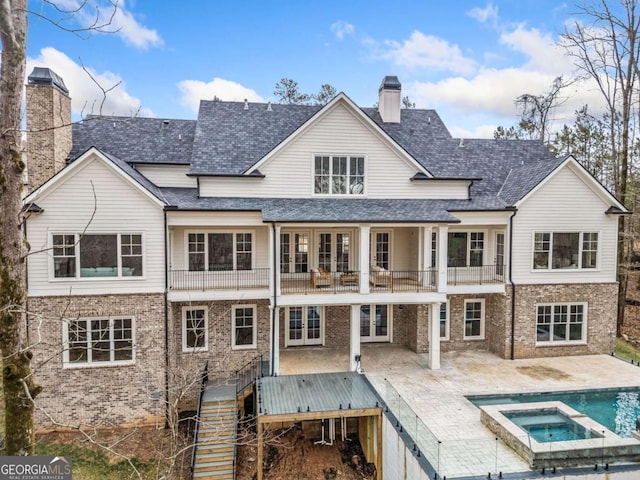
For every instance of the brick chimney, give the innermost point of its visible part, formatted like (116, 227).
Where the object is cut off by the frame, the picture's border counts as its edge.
(48, 125)
(389, 99)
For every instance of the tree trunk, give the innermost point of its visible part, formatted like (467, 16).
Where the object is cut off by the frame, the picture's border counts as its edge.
(19, 387)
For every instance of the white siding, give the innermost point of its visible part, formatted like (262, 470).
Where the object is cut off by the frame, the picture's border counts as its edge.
(290, 172)
(564, 204)
(168, 175)
(119, 208)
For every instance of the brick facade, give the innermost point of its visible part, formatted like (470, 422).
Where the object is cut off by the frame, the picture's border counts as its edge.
(185, 367)
(601, 302)
(49, 132)
(99, 395)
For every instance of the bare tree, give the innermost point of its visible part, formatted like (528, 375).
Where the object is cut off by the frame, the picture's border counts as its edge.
(536, 110)
(20, 388)
(606, 51)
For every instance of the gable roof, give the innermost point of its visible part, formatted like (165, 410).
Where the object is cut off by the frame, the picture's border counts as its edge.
(233, 138)
(136, 140)
(229, 139)
(128, 173)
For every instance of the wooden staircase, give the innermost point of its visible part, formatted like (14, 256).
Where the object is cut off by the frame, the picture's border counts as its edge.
(217, 433)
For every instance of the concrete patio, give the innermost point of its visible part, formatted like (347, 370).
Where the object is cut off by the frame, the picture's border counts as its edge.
(466, 447)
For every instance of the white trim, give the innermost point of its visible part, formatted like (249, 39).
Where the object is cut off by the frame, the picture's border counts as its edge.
(447, 326)
(578, 268)
(78, 277)
(305, 316)
(482, 319)
(584, 175)
(52, 184)
(556, 343)
(358, 113)
(206, 232)
(372, 338)
(254, 343)
(331, 156)
(185, 348)
(66, 364)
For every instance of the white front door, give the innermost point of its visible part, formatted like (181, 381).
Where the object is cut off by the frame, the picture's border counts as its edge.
(375, 323)
(380, 242)
(305, 326)
(334, 250)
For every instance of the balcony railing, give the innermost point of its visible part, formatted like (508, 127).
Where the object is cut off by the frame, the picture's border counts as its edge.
(320, 282)
(343, 282)
(403, 280)
(476, 275)
(219, 280)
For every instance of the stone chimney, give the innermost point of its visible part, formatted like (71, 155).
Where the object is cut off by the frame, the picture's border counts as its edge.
(48, 126)
(389, 99)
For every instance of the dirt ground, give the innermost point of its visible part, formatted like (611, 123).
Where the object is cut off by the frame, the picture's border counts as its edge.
(293, 457)
(148, 445)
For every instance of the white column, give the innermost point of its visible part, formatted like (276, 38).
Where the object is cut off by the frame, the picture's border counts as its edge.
(426, 255)
(275, 355)
(434, 337)
(443, 232)
(365, 255)
(276, 262)
(354, 337)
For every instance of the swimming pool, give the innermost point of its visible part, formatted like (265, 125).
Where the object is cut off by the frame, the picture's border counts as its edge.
(616, 409)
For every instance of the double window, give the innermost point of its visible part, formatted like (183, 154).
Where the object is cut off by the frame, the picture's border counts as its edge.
(195, 336)
(565, 250)
(99, 341)
(220, 251)
(338, 175)
(244, 329)
(465, 249)
(97, 255)
(563, 322)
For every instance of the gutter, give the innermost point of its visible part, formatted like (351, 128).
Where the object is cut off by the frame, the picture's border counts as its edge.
(513, 285)
(275, 301)
(166, 321)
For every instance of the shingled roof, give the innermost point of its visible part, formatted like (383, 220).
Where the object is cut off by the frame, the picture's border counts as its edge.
(228, 138)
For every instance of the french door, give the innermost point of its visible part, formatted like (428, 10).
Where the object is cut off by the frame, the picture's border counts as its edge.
(374, 323)
(380, 256)
(500, 254)
(305, 326)
(334, 251)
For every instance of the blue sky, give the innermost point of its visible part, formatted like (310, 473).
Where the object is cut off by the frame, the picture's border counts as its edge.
(468, 59)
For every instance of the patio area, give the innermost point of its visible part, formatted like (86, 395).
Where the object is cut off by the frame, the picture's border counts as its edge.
(465, 447)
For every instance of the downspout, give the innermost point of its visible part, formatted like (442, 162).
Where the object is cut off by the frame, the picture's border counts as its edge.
(166, 320)
(275, 300)
(513, 286)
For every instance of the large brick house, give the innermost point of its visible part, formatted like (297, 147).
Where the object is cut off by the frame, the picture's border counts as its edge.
(161, 244)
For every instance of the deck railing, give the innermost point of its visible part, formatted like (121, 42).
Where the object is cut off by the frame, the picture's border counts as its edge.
(320, 282)
(403, 280)
(248, 374)
(204, 380)
(476, 275)
(219, 280)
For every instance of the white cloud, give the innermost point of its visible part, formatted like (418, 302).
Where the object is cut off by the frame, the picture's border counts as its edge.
(341, 29)
(121, 22)
(427, 51)
(86, 96)
(482, 15)
(195, 90)
(544, 55)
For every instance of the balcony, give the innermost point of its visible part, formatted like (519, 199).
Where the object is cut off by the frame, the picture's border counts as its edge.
(318, 281)
(258, 278)
(480, 275)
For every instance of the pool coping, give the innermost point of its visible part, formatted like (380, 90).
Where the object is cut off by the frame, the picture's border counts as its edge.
(562, 453)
